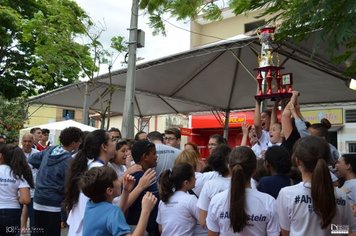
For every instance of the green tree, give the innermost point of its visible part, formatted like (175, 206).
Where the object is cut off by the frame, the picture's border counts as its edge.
(335, 19)
(38, 51)
(13, 115)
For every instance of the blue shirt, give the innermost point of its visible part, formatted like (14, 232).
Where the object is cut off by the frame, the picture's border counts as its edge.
(273, 184)
(104, 218)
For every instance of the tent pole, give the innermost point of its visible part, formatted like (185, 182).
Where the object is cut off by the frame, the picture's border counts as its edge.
(85, 104)
(226, 124)
(128, 114)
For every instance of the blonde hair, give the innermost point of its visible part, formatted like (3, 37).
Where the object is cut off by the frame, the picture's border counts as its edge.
(188, 156)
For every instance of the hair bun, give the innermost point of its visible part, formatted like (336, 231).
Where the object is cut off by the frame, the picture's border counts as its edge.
(326, 123)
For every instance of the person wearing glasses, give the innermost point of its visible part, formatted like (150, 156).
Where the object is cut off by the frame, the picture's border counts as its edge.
(172, 137)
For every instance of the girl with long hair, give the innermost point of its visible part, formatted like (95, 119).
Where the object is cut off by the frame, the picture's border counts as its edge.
(177, 210)
(98, 148)
(219, 162)
(241, 210)
(312, 206)
(15, 182)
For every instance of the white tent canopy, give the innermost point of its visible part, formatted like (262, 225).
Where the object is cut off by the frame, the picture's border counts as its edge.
(55, 129)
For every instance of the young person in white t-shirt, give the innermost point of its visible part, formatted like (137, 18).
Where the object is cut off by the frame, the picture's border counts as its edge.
(241, 210)
(177, 211)
(15, 182)
(190, 157)
(346, 167)
(314, 206)
(218, 161)
(119, 162)
(98, 149)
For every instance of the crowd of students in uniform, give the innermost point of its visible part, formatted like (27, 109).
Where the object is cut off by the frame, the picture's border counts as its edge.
(284, 179)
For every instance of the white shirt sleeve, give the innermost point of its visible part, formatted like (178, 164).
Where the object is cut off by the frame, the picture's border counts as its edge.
(212, 220)
(204, 200)
(282, 211)
(23, 183)
(194, 210)
(273, 228)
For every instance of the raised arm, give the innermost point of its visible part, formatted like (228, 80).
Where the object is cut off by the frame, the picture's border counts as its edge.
(257, 119)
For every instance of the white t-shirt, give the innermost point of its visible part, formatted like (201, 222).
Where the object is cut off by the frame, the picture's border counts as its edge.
(262, 144)
(119, 169)
(210, 189)
(295, 211)
(33, 170)
(201, 179)
(76, 214)
(9, 187)
(260, 208)
(349, 188)
(179, 216)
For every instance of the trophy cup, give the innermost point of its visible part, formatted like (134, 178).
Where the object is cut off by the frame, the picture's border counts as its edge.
(268, 71)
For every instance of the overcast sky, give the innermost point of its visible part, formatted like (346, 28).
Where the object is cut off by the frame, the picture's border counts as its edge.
(115, 15)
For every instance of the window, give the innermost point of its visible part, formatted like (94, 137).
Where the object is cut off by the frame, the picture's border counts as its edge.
(254, 25)
(352, 147)
(68, 114)
(350, 116)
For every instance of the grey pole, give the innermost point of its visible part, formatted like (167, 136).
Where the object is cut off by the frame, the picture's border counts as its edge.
(127, 128)
(85, 104)
(226, 124)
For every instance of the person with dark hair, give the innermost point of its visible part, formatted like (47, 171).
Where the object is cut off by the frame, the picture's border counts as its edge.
(115, 134)
(144, 154)
(37, 135)
(166, 155)
(101, 185)
(321, 130)
(42, 142)
(214, 141)
(172, 137)
(240, 209)
(173, 189)
(278, 165)
(346, 168)
(15, 182)
(218, 161)
(98, 149)
(52, 165)
(140, 135)
(312, 206)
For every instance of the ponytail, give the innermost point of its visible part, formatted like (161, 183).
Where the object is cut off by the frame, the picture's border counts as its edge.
(242, 164)
(77, 168)
(166, 186)
(322, 192)
(90, 150)
(173, 180)
(238, 216)
(314, 153)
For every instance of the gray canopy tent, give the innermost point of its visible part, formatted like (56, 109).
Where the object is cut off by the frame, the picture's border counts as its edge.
(221, 76)
(146, 104)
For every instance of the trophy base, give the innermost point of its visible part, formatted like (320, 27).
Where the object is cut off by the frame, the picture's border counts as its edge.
(273, 96)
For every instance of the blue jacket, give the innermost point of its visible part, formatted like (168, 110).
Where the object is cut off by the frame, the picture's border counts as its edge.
(51, 176)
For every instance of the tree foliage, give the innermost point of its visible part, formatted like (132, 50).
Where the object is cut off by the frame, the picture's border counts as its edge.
(11, 124)
(38, 50)
(298, 18)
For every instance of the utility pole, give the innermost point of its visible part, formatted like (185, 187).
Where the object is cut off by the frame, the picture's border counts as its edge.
(85, 104)
(127, 128)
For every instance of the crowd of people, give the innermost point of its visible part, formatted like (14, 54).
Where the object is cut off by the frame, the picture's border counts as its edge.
(283, 179)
